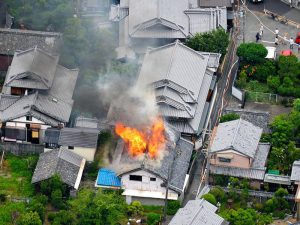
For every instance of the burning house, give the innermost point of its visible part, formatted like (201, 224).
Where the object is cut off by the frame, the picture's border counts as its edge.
(147, 169)
(37, 94)
(184, 84)
(144, 23)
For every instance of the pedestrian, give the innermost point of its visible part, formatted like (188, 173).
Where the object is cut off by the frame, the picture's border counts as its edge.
(285, 40)
(257, 37)
(261, 30)
(276, 41)
(276, 32)
(291, 43)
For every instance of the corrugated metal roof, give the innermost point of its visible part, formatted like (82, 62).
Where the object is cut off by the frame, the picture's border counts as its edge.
(197, 212)
(239, 135)
(78, 137)
(214, 3)
(252, 173)
(296, 171)
(108, 178)
(277, 179)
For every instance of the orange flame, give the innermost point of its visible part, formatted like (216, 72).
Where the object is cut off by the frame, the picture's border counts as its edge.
(151, 139)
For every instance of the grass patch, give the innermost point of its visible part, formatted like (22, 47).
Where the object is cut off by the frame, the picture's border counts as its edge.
(153, 209)
(256, 86)
(9, 209)
(15, 176)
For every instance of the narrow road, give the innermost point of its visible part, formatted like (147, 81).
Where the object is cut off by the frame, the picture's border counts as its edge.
(278, 7)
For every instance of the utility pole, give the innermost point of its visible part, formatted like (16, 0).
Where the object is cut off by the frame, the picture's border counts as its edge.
(244, 19)
(167, 191)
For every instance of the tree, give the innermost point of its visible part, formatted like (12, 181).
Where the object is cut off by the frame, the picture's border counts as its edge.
(264, 70)
(30, 218)
(173, 207)
(63, 217)
(213, 41)
(219, 193)
(252, 52)
(289, 66)
(281, 192)
(210, 198)
(240, 216)
(229, 117)
(273, 82)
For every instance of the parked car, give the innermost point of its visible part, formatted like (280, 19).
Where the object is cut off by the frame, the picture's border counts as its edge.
(286, 52)
(297, 40)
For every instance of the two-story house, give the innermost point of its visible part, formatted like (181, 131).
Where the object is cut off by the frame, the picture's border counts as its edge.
(184, 83)
(235, 150)
(37, 94)
(144, 23)
(144, 179)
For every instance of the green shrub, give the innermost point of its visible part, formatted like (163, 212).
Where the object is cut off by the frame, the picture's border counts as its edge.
(241, 82)
(229, 117)
(56, 199)
(135, 208)
(210, 198)
(252, 52)
(264, 70)
(2, 197)
(258, 206)
(173, 207)
(220, 180)
(273, 83)
(153, 218)
(219, 193)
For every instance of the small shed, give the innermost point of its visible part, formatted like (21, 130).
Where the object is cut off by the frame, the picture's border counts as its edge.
(108, 179)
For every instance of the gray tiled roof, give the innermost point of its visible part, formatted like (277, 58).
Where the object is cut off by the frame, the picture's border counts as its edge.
(62, 162)
(181, 79)
(261, 155)
(258, 118)
(12, 40)
(252, 173)
(197, 212)
(178, 156)
(239, 135)
(36, 69)
(167, 19)
(79, 137)
(32, 68)
(214, 3)
(296, 171)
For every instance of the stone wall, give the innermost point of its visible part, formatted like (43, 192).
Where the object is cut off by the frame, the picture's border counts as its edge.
(21, 148)
(14, 39)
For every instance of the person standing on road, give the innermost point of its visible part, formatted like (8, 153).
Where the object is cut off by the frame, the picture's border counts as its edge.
(291, 43)
(276, 41)
(285, 40)
(257, 37)
(276, 32)
(261, 30)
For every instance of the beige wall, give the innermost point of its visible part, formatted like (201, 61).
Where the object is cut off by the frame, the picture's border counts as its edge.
(237, 160)
(87, 153)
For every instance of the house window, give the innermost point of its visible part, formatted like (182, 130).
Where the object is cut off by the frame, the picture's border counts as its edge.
(152, 179)
(135, 177)
(29, 118)
(226, 160)
(71, 147)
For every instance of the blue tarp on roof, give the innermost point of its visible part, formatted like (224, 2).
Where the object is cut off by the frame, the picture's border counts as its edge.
(108, 178)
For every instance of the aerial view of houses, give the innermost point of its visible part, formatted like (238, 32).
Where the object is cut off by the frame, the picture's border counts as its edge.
(149, 112)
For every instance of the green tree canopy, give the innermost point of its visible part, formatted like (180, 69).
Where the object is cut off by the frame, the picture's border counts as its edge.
(210, 198)
(229, 117)
(252, 52)
(213, 41)
(30, 218)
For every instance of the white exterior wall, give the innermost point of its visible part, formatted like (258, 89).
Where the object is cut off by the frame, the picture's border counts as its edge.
(87, 153)
(145, 189)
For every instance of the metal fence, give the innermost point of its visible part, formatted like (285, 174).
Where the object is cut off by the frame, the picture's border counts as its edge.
(253, 96)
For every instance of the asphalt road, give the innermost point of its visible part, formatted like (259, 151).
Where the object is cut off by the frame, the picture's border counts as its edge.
(278, 7)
